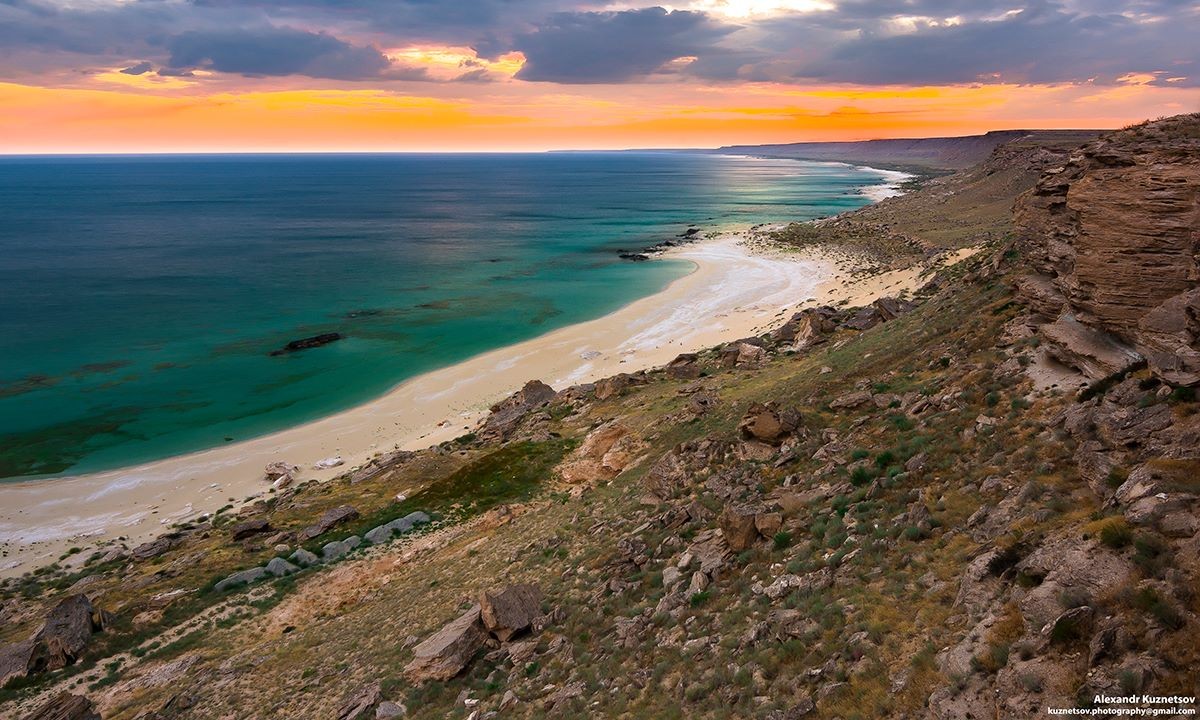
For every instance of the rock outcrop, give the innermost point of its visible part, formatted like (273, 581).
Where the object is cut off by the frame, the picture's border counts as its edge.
(448, 651)
(329, 519)
(507, 414)
(61, 641)
(511, 610)
(1114, 239)
(65, 706)
(604, 454)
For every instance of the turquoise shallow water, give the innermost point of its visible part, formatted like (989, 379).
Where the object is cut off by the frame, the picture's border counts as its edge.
(142, 295)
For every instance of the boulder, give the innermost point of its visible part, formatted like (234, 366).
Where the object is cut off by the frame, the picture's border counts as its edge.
(511, 610)
(329, 519)
(65, 706)
(304, 558)
(667, 475)
(507, 414)
(243, 577)
(359, 704)
(863, 319)
(854, 399)
(388, 530)
(17, 660)
(764, 423)
(447, 652)
(335, 550)
(249, 528)
(890, 308)
(806, 328)
(613, 386)
(604, 454)
(280, 474)
(66, 633)
(280, 567)
(155, 547)
(738, 524)
(329, 463)
(684, 367)
(743, 353)
(711, 551)
(388, 710)
(768, 523)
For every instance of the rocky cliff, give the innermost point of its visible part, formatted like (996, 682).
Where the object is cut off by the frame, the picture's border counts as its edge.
(1113, 238)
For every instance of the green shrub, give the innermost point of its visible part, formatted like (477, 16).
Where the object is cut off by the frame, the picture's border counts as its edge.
(782, 539)
(1116, 534)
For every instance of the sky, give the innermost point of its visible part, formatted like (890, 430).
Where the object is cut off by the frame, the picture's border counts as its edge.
(514, 75)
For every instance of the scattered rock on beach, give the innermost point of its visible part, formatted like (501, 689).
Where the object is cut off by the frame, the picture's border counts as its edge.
(281, 474)
(329, 462)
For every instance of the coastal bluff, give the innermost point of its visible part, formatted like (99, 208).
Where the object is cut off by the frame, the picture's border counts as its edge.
(941, 502)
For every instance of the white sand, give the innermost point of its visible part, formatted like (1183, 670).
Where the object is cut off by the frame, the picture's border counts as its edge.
(733, 292)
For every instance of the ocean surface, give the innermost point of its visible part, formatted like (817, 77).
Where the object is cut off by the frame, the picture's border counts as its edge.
(141, 297)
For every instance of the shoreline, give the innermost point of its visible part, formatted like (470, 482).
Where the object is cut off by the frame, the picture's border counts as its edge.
(736, 289)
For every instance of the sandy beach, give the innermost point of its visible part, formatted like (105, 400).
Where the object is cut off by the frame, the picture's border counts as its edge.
(737, 288)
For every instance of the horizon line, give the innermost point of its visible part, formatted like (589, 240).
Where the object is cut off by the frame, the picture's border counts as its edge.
(146, 153)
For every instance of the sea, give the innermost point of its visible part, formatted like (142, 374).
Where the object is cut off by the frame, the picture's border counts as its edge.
(142, 297)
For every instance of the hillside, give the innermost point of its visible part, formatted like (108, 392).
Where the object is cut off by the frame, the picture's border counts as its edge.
(931, 506)
(917, 154)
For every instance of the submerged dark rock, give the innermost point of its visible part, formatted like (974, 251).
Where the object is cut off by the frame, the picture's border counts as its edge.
(307, 343)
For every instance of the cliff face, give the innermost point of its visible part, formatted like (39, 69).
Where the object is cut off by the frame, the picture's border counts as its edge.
(1113, 236)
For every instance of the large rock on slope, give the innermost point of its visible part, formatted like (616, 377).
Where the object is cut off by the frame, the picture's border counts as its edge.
(65, 706)
(328, 520)
(60, 642)
(1116, 233)
(767, 424)
(511, 610)
(67, 631)
(604, 454)
(445, 653)
(507, 414)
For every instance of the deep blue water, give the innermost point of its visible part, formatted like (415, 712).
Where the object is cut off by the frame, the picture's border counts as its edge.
(140, 297)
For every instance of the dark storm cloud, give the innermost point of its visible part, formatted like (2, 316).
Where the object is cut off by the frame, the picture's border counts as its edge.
(1040, 44)
(576, 41)
(274, 51)
(597, 47)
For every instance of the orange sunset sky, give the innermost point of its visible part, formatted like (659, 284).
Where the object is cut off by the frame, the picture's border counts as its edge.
(313, 75)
